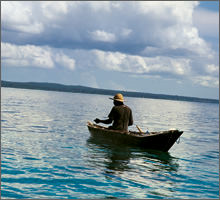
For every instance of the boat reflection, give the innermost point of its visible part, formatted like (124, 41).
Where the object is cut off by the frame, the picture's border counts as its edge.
(118, 159)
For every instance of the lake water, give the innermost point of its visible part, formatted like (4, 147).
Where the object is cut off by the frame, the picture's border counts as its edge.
(47, 152)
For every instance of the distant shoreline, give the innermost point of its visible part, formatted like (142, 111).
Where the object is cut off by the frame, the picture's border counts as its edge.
(90, 90)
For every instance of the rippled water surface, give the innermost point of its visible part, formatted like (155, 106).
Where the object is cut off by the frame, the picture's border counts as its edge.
(47, 151)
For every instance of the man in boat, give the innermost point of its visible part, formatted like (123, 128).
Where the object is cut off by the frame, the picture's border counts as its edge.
(120, 115)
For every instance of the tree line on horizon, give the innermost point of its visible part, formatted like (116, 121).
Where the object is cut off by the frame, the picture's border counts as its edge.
(90, 90)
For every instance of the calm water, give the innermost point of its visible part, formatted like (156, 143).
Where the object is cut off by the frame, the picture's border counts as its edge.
(47, 151)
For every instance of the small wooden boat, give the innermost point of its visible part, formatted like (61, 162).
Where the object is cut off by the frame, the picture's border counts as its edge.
(161, 141)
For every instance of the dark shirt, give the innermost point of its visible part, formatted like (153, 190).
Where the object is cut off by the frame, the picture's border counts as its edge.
(121, 116)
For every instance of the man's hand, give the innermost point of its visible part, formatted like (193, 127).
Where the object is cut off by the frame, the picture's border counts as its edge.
(97, 120)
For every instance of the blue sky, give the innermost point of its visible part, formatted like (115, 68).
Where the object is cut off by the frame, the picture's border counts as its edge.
(166, 47)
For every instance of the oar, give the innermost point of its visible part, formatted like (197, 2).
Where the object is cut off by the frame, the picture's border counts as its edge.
(139, 129)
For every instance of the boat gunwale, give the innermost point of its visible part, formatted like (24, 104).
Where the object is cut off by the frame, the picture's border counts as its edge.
(131, 133)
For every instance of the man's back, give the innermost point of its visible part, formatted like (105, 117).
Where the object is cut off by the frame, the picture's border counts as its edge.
(121, 116)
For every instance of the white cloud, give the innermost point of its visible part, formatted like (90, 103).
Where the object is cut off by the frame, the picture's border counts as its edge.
(19, 17)
(212, 69)
(30, 55)
(53, 10)
(181, 10)
(100, 35)
(34, 56)
(136, 64)
(88, 60)
(160, 66)
(207, 81)
(65, 61)
(26, 56)
(108, 60)
(160, 24)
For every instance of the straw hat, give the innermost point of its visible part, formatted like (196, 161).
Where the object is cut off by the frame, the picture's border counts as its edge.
(118, 97)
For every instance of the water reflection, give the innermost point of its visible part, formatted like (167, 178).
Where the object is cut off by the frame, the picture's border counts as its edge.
(124, 158)
(118, 160)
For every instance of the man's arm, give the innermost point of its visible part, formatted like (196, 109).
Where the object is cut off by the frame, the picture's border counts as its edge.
(107, 121)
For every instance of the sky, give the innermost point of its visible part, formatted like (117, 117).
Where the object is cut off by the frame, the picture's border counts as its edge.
(161, 47)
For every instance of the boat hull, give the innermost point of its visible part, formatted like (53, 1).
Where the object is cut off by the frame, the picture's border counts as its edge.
(161, 141)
